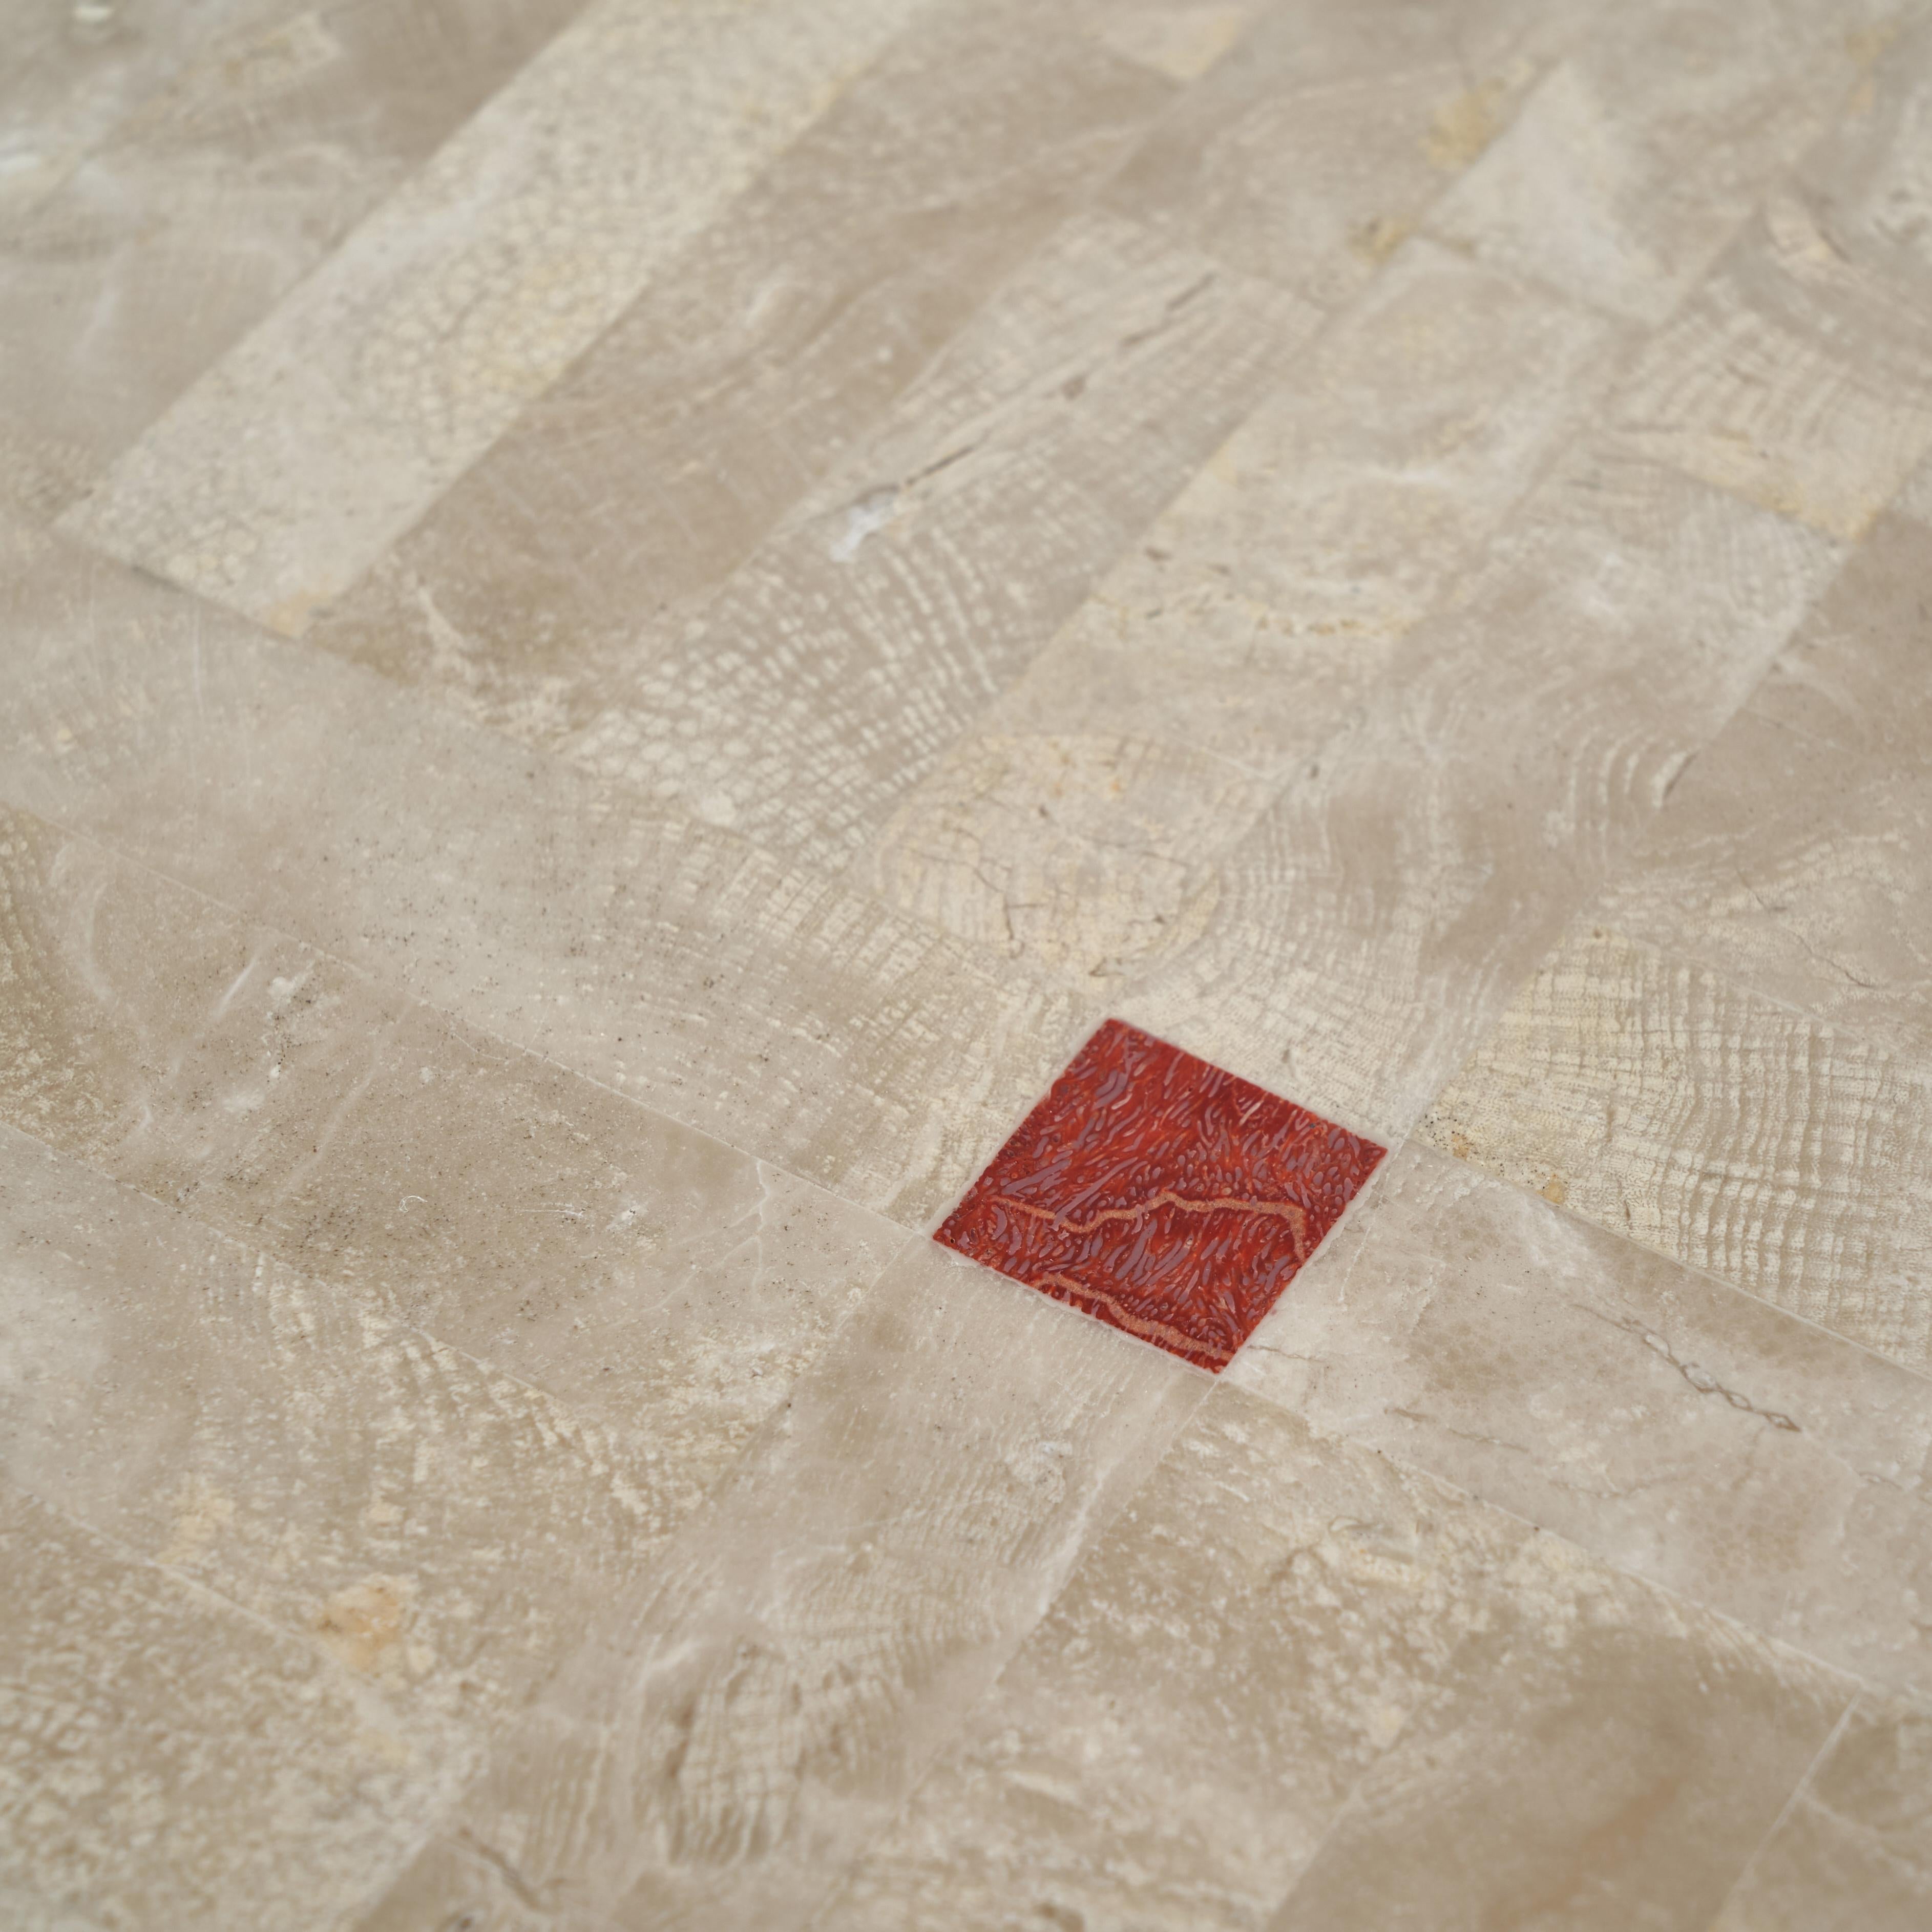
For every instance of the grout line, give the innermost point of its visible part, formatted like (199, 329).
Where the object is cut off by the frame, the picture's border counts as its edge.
(398, 989)
(1798, 1792)
(1840, 1340)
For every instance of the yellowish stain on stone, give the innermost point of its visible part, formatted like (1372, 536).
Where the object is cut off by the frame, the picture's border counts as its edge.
(290, 618)
(361, 1624)
(1466, 124)
(1377, 240)
(1182, 45)
(201, 1512)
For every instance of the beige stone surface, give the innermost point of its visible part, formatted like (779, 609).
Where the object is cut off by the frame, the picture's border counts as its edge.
(165, 1758)
(1707, 1121)
(1369, 927)
(731, 1737)
(444, 1533)
(790, 329)
(622, 622)
(1318, 142)
(1172, 1745)
(1247, 627)
(1726, 1057)
(1602, 1755)
(1666, 1423)
(912, 585)
(255, 138)
(1627, 170)
(72, 77)
(1797, 376)
(1791, 859)
(1854, 1848)
(468, 291)
(675, 962)
(664, 1284)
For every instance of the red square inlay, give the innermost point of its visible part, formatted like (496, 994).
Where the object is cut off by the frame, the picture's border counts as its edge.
(1163, 1196)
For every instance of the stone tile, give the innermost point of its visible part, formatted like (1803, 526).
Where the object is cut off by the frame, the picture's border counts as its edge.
(1170, 1746)
(655, 1282)
(787, 1014)
(1079, 823)
(1317, 143)
(277, 128)
(1178, 38)
(1600, 1756)
(1666, 1424)
(1663, 1101)
(787, 333)
(1866, 183)
(446, 1533)
(166, 1759)
(315, 443)
(1256, 613)
(1791, 858)
(1077, 851)
(1627, 171)
(1792, 375)
(914, 584)
(728, 1743)
(1373, 922)
(1854, 1853)
(73, 74)
(1915, 500)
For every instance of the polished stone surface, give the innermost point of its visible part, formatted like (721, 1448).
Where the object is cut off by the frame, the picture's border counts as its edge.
(624, 625)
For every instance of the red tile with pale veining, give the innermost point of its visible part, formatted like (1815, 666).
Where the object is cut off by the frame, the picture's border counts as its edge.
(1165, 1197)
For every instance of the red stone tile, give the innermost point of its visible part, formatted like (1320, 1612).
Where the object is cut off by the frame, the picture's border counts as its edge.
(1163, 1196)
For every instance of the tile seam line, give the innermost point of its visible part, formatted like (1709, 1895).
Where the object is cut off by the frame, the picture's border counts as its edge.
(382, 982)
(384, 1325)
(923, 10)
(1920, 1079)
(281, 1637)
(1203, 1382)
(1798, 1792)
(1087, 202)
(1859, 1686)
(353, 1688)
(927, 12)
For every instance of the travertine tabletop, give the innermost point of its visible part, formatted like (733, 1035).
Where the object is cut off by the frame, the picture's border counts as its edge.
(1269, 662)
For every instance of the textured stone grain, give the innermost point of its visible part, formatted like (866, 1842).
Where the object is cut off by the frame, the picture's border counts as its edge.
(1170, 1746)
(726, 1744)
(468, 293)
(166, 1759)
(1671, 1426)
(1600, 1756)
